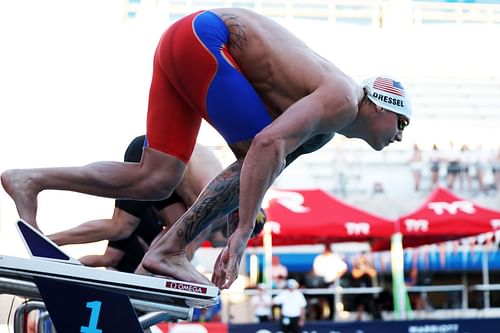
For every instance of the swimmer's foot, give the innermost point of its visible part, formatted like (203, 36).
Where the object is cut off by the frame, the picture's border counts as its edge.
(19, 184)
(175, 266)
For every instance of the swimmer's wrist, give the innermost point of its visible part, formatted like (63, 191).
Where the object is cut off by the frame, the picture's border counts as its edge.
(245, 229)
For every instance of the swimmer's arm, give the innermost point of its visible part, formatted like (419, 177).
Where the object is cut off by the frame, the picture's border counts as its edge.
(271, 150)
(120, 226)
(232, 223)
(110, 258)
(219, 198)
(264, 161)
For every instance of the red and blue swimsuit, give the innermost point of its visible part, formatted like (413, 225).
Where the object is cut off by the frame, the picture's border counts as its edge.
(195, 78)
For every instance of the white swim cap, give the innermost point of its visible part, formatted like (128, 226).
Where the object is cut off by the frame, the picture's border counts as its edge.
(388, 94)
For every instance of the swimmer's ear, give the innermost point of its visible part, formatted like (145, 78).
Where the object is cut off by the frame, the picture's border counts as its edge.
(378, 109)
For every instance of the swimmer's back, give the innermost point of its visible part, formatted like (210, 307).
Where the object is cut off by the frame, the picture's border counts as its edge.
(280, 66)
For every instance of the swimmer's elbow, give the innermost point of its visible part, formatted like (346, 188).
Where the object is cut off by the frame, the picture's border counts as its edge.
(271, 146)
(270, 151)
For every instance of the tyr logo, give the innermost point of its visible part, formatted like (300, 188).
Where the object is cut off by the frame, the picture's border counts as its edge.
(495, 224)
(416, 225)
(357, 228)
(452, 208)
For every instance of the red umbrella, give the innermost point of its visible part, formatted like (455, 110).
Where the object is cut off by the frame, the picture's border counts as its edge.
(314, 217)
(444, 216)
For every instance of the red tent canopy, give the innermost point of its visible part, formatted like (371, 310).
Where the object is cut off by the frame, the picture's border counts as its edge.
(445, 216)
(313, 216)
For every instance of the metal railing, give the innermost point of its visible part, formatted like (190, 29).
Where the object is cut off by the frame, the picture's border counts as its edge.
(486, 289)
(22, 312)
(337, 293)
(367, 12)
(425, 290)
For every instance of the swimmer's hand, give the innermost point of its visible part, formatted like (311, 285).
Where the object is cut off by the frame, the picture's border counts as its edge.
(228, 262)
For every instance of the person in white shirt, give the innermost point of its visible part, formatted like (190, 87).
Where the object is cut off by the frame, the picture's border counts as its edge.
(293, 307)
(329, 266)
(262, 304)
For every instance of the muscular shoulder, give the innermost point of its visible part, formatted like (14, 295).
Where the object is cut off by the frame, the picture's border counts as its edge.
(339, 95)
(254, 37)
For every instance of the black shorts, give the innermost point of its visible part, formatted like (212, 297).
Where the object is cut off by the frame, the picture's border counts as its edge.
(453, 168)
(290, 324)
(137, 208)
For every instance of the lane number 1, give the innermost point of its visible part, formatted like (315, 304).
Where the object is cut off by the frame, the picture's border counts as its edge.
(95, 308)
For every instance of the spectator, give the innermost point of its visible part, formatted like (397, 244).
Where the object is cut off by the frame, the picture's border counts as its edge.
(453, 168)
(435, 159)
(495, 168)
(329, 266)
(293, 307)
(417, 300)
(363, 270)
(480, 160)
(262, 304)
(416, 164)
(279, 273)
(466, 160)
(364, 275)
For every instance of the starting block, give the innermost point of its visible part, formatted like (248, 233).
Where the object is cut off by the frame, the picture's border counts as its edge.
(92, 300)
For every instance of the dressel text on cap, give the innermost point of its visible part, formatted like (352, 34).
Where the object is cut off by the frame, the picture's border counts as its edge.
(389, 100)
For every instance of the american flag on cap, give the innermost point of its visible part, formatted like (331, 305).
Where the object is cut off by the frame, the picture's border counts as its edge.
(389, 86)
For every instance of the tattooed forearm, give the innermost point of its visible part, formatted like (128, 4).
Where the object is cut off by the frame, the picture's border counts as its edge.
(232, 223)
(237, 33)
(219, 198)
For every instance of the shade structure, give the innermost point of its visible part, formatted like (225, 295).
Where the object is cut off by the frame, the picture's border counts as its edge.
(445, 216)
(313, 216)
